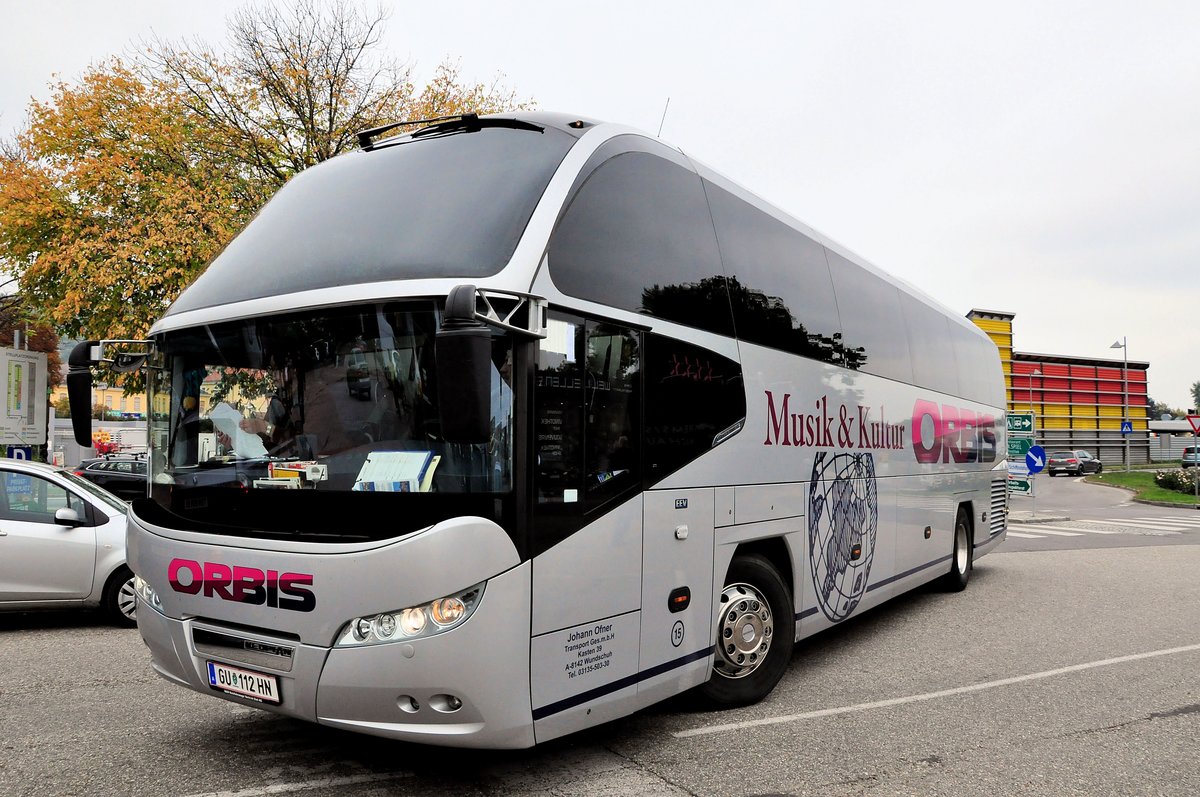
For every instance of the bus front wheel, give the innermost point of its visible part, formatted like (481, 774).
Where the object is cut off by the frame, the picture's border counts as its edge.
(756, 630)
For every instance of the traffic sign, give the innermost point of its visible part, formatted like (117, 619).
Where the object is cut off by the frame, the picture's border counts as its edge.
(1194, 420)
(1018, 468)
(1036, 459)
(1020, 422)
(20, 452)
(1126, 427)
(1018, 447)
(1022, 486)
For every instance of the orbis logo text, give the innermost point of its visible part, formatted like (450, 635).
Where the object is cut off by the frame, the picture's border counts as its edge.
(242, 584)
(944, 433)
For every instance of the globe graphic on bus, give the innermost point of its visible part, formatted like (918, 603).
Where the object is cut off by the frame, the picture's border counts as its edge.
(842, 520)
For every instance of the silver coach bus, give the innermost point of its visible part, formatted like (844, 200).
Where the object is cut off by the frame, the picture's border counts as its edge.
(515, 424)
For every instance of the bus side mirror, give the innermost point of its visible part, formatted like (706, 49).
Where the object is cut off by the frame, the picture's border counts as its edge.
(79, 390)
(463, 350)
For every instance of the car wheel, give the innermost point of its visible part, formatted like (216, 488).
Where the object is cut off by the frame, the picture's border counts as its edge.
(1099, 467)
(962, 557)
(756, 631)
(120, 598)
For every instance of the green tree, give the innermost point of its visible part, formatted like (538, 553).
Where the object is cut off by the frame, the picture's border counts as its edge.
(1157, 409)
(62, 407)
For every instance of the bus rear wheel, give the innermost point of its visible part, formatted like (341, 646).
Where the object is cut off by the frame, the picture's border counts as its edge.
(756, 630)
(962, 558)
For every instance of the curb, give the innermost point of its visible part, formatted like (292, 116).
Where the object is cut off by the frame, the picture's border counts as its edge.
(1167, 504)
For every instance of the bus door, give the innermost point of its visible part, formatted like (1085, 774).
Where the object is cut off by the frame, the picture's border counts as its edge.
(677, 578)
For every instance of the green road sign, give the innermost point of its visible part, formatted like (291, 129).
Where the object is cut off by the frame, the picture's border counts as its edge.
(1020, 486)
(1020, 422)
(1018, 447)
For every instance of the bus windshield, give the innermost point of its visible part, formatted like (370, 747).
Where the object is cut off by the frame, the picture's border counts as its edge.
(284, 425)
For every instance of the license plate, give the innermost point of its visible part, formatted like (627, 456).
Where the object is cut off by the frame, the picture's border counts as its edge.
(246, 683)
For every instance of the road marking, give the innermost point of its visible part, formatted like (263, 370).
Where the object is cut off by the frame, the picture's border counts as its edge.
(899, 701)
(1142, 524)
(1053, 533)
(1066, 530)
(1188, 522)
(306, 785)
(1012, 533)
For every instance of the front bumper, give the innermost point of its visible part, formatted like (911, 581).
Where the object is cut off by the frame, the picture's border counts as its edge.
(467, 688)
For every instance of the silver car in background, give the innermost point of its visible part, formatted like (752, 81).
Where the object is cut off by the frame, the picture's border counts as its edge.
(62, 543)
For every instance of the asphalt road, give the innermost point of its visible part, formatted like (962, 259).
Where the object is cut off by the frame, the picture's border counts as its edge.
(1069, 514)
(1059, 671)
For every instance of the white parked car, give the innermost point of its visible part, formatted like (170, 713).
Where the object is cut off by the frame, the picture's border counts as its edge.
(62, 543)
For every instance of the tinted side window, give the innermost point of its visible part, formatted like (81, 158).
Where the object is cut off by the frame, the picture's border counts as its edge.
(873, 328)
(931, 341)
(694, 400)
(588, 424)
(779, 281)
(638, 235)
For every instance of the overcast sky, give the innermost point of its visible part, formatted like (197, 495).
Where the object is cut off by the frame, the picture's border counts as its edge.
(1041, 158)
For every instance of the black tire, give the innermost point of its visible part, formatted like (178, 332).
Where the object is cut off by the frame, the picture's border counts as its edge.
(1052, 474)
(755, 600)
(1099, 467)
(962, 558)
(120, 598)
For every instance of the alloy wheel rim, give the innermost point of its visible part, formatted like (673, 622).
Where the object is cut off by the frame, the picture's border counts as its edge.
(745, 629)
(127, 600)
(960, 549)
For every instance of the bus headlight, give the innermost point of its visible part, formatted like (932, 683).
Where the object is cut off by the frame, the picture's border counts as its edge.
(412, 622)
(146, 593)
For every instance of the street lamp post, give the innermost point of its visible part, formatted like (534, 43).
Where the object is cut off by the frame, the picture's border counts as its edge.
(1032, 374)
(1122, 344)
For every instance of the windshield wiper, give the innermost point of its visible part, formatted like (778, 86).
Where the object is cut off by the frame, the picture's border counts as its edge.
(442, 125)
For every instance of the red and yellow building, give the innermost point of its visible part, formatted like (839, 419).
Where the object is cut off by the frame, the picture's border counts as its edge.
(1078, 402)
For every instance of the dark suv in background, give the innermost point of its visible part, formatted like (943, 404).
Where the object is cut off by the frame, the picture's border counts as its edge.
(123, 475)
(1073, 463)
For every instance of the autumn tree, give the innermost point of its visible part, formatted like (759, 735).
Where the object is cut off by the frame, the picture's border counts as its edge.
(126, 183)
(114, 203)
(18, 321)
(295, 83)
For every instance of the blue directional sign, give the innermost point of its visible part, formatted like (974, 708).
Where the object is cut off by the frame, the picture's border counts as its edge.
(1126, 427)
(1036, 459)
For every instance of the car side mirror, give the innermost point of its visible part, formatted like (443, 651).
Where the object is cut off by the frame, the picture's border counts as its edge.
(68, 517)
